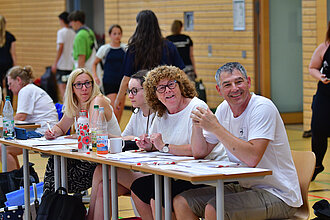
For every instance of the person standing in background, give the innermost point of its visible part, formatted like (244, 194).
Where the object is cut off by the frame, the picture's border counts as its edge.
(112, 56)
(63, 63)
(184, 44)
(83, 42)
(147, 48)
(7, 53)
(320, 70)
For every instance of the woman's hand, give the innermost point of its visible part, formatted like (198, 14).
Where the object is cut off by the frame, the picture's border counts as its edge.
(144, 142)
(49, 135)
(324, 79)
(97, 80)
(157, 140)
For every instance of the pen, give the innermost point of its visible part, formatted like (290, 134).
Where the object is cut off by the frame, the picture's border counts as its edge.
(49, 128)
(164, 163)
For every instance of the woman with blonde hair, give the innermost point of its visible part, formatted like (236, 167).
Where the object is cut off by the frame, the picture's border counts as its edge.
(7, 51)
(81, 93)
(34, 105)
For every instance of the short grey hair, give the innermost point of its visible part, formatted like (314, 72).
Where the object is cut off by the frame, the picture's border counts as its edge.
(229, 68)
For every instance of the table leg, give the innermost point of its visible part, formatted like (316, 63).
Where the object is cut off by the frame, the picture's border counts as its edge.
(64, 173)
(114, 193)
(220, 200)
(57, 172)
(26, 173)
(106, 199)
(168, 198)
(4, 157)
(158, 197)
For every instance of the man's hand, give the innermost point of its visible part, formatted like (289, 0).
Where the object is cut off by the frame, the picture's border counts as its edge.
(204, 118)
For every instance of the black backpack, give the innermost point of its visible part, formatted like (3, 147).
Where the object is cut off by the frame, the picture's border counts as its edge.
(49, 84)
(55, 206)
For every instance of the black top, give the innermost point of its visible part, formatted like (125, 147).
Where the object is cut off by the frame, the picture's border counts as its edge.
(183, 44)
(5, 56)
(322, 88)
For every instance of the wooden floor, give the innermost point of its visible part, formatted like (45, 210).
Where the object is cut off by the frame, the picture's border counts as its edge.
(319, 189)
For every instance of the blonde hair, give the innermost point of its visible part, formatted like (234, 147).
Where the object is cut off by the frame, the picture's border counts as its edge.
(2, 31)
(25, 73)
(71, 102)
(155, 75)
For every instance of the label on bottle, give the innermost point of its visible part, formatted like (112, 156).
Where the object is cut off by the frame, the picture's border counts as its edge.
(102, 143)
(8, 129)
(94, 140)
(83, 137)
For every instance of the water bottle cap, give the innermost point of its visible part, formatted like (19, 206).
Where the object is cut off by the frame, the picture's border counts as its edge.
(8, 97)
(96, 106)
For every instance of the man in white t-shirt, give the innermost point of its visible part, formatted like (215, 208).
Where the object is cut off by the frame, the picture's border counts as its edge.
(251, 130)
(63, 64)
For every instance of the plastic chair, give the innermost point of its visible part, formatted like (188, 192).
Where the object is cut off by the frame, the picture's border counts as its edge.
(305, 165)
(59, 107)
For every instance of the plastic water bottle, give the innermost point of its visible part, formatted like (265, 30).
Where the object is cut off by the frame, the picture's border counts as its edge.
(102, 133)
(93, 127)
(83, 132)
(8, 120)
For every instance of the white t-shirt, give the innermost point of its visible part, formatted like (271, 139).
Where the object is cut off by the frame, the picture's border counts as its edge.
(137, 124)
(104, 49)
(38, 106)
(113, 126)
(177, 128)
(261, 119)
(65, 36)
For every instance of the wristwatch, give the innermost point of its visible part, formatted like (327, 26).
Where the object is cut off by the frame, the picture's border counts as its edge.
(166, 148)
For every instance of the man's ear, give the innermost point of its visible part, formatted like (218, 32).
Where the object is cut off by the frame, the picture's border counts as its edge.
(218, 89)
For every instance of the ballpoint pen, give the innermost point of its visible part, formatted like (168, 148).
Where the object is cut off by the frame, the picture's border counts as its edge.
(49, 128)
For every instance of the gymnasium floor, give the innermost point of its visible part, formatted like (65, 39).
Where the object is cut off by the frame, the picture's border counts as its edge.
(319, 189)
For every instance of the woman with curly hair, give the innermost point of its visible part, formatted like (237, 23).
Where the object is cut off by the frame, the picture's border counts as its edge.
(147, 49)
(172, 95)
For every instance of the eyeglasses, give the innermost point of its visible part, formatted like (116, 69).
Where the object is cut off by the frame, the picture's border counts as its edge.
(170, 84)
(134, 91)
(79, 85)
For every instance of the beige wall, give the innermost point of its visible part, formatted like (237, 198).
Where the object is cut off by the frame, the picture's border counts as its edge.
(213, 21)
(34, 23)
(314, 23)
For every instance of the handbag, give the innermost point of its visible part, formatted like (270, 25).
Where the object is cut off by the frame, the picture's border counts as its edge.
(55, 206)
(13, 180)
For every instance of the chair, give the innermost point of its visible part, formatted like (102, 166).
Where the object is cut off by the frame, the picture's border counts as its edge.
(305, 165)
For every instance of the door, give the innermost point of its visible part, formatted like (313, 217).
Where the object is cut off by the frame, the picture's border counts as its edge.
(279, 56)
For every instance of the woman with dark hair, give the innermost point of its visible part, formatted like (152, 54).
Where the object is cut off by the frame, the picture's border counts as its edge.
(147, 48)
(63, 63)
(319, 68)
(112, 57)
(7, 52)
(139, 124)
(184, 44)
